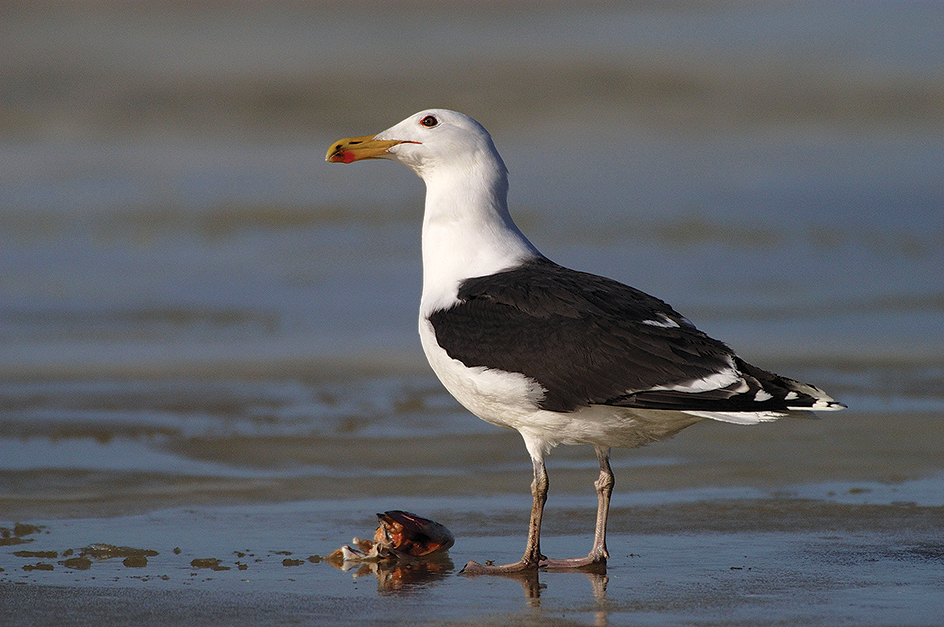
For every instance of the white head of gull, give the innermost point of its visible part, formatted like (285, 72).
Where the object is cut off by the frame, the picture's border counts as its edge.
(561, 356)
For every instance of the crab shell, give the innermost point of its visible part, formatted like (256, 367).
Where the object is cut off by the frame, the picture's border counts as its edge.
(409, 534)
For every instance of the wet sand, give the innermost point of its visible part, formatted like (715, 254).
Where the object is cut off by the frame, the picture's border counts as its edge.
(777, 561)
(722, 525)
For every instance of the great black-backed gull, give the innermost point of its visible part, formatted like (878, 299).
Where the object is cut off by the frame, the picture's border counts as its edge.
(561, 356)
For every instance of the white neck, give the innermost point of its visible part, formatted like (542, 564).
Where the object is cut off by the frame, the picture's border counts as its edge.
(467, 231)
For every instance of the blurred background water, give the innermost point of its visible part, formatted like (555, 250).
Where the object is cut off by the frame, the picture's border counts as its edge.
(196, 310)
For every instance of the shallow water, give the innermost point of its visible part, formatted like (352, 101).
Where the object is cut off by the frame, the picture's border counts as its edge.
(237, 490)
(207, 335)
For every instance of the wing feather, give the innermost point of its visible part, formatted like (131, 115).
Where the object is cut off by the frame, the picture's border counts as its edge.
(589, 340)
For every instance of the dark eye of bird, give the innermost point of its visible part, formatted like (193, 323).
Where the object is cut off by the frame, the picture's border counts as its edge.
(429, 121)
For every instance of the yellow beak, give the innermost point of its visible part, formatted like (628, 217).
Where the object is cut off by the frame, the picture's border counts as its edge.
(351, 149)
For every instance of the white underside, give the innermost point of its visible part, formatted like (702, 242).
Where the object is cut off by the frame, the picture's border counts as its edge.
(511, 400)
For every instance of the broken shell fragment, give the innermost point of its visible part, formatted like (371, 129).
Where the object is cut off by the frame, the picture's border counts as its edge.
(400, 536)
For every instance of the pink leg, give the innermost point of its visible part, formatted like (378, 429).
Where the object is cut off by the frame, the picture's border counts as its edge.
(598, 554)
(532, 558)
(532, 553)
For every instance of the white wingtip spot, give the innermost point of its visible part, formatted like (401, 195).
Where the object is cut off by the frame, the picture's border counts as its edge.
(824, 405)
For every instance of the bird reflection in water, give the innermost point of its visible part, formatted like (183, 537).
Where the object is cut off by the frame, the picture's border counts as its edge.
(531, 583)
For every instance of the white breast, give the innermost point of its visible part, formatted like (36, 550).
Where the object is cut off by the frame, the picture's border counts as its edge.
(506, 399)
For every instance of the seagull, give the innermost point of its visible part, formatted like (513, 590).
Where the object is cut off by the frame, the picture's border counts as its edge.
(561, 356)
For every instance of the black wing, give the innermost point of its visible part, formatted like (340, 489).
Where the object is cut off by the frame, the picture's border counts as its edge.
(586, 339)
